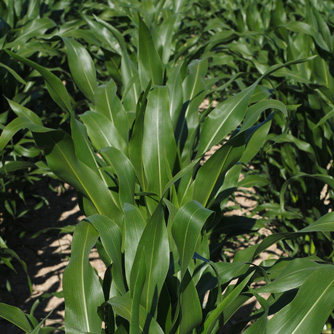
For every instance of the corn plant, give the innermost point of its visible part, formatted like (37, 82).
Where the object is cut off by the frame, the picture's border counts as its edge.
(152, 203)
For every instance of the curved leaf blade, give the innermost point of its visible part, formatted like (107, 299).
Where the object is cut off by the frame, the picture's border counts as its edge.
(15, 316)
(186, 230)
(311, 307)
(55, 87)
(82, 290)
(82, 67)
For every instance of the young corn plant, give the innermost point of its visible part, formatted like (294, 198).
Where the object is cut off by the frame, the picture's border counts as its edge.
(151, 202)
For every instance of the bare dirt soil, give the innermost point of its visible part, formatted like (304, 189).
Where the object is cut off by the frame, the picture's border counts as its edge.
(46, 257)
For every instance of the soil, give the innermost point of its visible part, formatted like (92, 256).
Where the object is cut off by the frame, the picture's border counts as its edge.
(47, 254)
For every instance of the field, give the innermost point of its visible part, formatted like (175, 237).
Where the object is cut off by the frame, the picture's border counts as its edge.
(197, 138)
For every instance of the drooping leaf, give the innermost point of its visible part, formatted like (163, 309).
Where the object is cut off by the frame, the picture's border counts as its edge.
(311, 307)
(82, 67)
(15, 316)
(123, 307)
(60, 155)
(82, 290)
(55, 87)
(189, 301)
(186, 229)
(211, 175)
(102, 132)
(108, 104)
(124, 171)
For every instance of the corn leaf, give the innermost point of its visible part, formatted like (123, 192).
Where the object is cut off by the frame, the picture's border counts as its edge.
(102, 132)
(82, 290)
(111, 238)
(123, 307)
(134, 225)
(211, 175)
(55, 87)
(124, 171)
(186, 230)
(158, 147)
(154, 244)
(311, 307)
(82, 67)
(60, 155)
(15, 316)
(149, 63)
(108, 104)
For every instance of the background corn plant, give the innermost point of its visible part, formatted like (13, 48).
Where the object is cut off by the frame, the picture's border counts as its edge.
(154, 208)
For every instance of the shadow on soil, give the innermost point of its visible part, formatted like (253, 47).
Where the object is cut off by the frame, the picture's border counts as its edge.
(44, 256)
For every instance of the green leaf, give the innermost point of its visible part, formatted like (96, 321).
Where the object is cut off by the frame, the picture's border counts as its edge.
(134, 225)
(194, 90)
(311, 307)
(154, 244)
(60, 155)
(214, 316)
(83, 147)
(111, 238)
(15, 316)
(253, 181)
(138, 281)
(128, 69)
(123, 307)
(149, 63)
(158, 147)
(55, 87)
(254, 136)
(108, 104)
(211, 175)
(292, 276)
(25, 113)
(305, 28)
(125, 173)
(11, 129)
(189, 300)
(260, 326)
(13, 73)
(82, 290)
(82, 67)
(186, 230)
(102, 132)
(12, 166)
(253, 112)
(224, 119)
(174, 85)
(36, 27)
(323, 224)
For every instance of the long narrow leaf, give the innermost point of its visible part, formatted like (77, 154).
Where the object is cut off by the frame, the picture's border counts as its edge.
(82, 290)
(82, 67)
(310, 309)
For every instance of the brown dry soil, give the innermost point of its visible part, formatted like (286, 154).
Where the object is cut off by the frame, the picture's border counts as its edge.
(47, 255)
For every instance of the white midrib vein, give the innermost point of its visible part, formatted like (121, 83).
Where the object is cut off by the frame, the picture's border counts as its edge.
(222, 123)
(108, 105)
(313, 306)
(84, 72)
(82, 285)
(151, 265)
(185, 234)
(78, 178)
